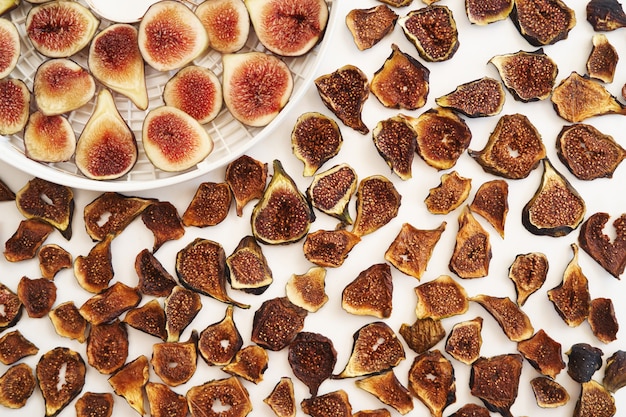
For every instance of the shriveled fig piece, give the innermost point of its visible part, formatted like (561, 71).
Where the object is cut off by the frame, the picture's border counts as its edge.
(442, 137)
(52, 259)
(370, 293)
(514, 322)
(491, 202)
(6, 194)
(57, 393)
(571, 297)
(396, 142)
(256, 86)
(196, 90)
(92, 404)
(181, 307)
(129, 382)
(14, 346)
(276, 323)
(153, 277)
(248, 268)
(330, 191)
(548, 393)
(171, 36)
(609, 253)
(12, 307)
(594, 400)
(149, 318)
(209, 206)
(389, 390)
(27, 239)
(378, 203)
(68, 322)
(308, 290)
(543, 22)
(495, 380)
(481, 12)
(110, 303)
(402, 82)
(602, 59)
(369, 26)
(94, 271)
(344, 92)
(15, 100)
(219, 342)
(452, 191)
(107, 346)
(528, 272)
(433, 31)
(282, 399)
(412, 248)
(37, 295)
(60, 29)
(315, 139)
(543, 353)
(471, 410)
(375, 349)
(556, 209)
(115, 60)
(173, 140)
(250, 363)
(432, 381)
(283, 215)
(472, 250)
(312, 358)
(602, 319)
(117, 209)
(226, 22)
(228, 392)
(17, 384)
(334, 403)
(201, 267)
(423, 334)
(479, 98)
(440, 298)
(246, 178)
(577, 98)
(605, 15)
(615, 371)
(10, 39)
(164, 402)
(465, 340)
(583, 361)
(287, 28)
(61, 86)
(514, 148)
(329, 248)
(175, 362)
(163, 220)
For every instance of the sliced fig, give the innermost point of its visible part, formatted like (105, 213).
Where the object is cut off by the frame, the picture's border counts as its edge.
(9, 39)
(57, 392)
(249, 363)
(282, 399)
(605, 15)
(256, 86)
(602, 319)
(49, 138)
(106, 148)
(61, 85)
(92, 404)
(548, 393)
(571, 297)
(173, 140)
(276, 323)
(60, 29)
(37, 295)
(129, 382)
(609, 253)
(370, 293)
(249, 271)
(423, 334)
(209, 206)
(308, 290)
(584, 360)
(528, 272)
(312, 358)
(329, 248)
(471, 410)
(369, 26)
(175, 362)
(491, 202)
(389, 390)
(433, 31)
(68, 322)
(226, 22)
(107, 346)
(181, 306)
(8, 5)
(246, 178)
(164, 402)
(501, 371)
(283, 215)
(543, 353)
(110, 213)
(378, 202)
(478, 98)
(513, 321)
(472, 249)
(287, 28)
(163, 220)
(149, 318)
(115, 60)
(229, 392)
(465, 340)
(615, 371)
(12, 307)
(17, 384)
(14, 346)
(219, 342)
(602, 59)
(27, 239)
(110, 303)
(452, 191)
(412, 248)
(15, 100)
(402, 82)
(335, 402)
(195, 90)
(94, 271)
(480, 12)
(432, 381)
(440, 298)
(315, 139)
(594, 400)
(396, 142)
(331, 191)
(543, 22)
(171, 35)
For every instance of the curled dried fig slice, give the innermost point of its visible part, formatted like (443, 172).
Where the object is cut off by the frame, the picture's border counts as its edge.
(502, 371)
(175, 362)
(57, 393)
(330, 191)
(14, 346)
(615, 371)
(195, 90)
(308, 290)
(181, 307)
(226, 22)
(249, 363)
(219, 342)
(17, 384)
(602, 319)
(605, 15)
(276, 323)
(312, 358)
(412, 248)
(110, 303)
(164, 402)
(92, 404)
(68, 322)
(491, 202)
(451, 192)
(344, 92)
(55, 79)
(27, 239)
(472, 248)
(548, 393)
(480, 12)
(10, 39)
(594, 400)
(396, 142)
(149, 318)
(129, 382)
(528, 272)
(571, 297)
(229, 392)
(514, 322)
(162, 219)
(117, 209)
(335, 402)
(52, 259)
(37, 295)
(465, 340)
(248, 268)
(543, 353)
(378, 202)
(423, 334)
(370, 293)
(609, 253)
(433, 31)
(471, 410)
(12, 307)
(389, 390)
(246, 178)
(543, 22)
(556, 209)
(329, 248)
(432, 381)
(402, 82)
(107, 346)
(94, 271)
(478, 98)
(315, 139)
(15, 102)
(440, 298)
(370, 26)
(282, 399)
(209, 206)
(583, 361)
(49, 138)
(602, 59)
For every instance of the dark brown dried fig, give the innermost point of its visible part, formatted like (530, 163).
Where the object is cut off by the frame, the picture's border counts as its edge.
(308, 290)
(609, 253)
(412, 248)
(433, 31)
(52, 259)
(6, 194)
(451, 192)
(197, 91)
(164, 402)
(249, 363)
(471, 410)
(370, 293)
(495, 381)
(605, 15)
(478, 98)
(181, 307)
(514, 322)
(219, 342)
(14, 95)
(335, 403)
(282, 399)
(92, 404)
(49, 138)
(528, 272)
(543, 353)
(209, 206)
(378, 203)
(227, 23)
(370, 26)
(389, 390)
(117, 209)
(491, 202)
(129, 382)
(571, 297)
(432, 381)
(110, 303)
(57, 392)
(543, 22)
(602, 59)
(480, 12)
(556, 208)
(423, 334)
(17, 384)
(329, 248)
(246, 178)
(53, 82)
(27, 239)
(396, 142)
(465, 340)
(94, 271)
(249, 271)
(276, 323)
(594, 401)
(344, 92)
(312, 358)
(315, 139)
(548, 393)
(602, 319)
(440, 298)
(175, 362)
(330, 191)
(615, 371)
(228, 392)
(153, 278)
(149, 318)
(68, 322)
(472, 249)
(37, 295)
(107, 346)
(14, 346)
(583, 361)
(402, 82)
(12, 307)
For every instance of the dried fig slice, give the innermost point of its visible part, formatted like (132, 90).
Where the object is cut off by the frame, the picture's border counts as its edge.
(230, 392)
(556, 209)
(149, 318)
(256, 86)
(472, 249)
(308, 290)
(182, 305)
(175, 362)
(129, 382)
(478, 98)
(282, 399)
(329, 248)
(514, 148)
(10, 39)
(283, 215)
(209, 206)
(471, 410)
(543, 353)
(543, 22)
(110, 303)
(49, 138)
(602, 319)
(164, 402)
(68, 322)
(480, 12)
(14, 346)
(423, 334)
(609, 253)
(389, 390)
(602, 59)
(396, 142)
(12, 307)
(117, 209)
(615, 371)
(514, 322)
(17, 384)
(312, 358)
(378, 203)
(548, 393)
(344, 92)
(52, 259)
(370, 26)
(588, 153)
(528, 272)
(54, 80)
(92, 404)
(60, 29)
(402, 82)
(107, 346)
(250, 363)
(226, 22)
(583, 361)
(605, 15)
(432, 381)
(171, 36)
(412, 248)
(491, 202)
(15, 100)
(433, 31)
(219, 342)
(27, 239)
(246, 178)
(249, 271)
(465, 340)
(501, 371)
(162, 219)
(334, 403)
(577, 98)
(370, 293)
(6, 194)
(37, 295)
(442, 137)
(57, 393)
(594, 400)
(375, 349)
(94, 271)
(452, 191)
(196, 90)
(440, 298)
(330, 191)
(276, 323)
(571, 297)
(315, 139)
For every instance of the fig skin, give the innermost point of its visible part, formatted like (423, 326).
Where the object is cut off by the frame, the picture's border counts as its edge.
(15, 102)
(11, 47)
(49, 138)
(246, 178)
(227, 24)
(195, 90)
(433, 32)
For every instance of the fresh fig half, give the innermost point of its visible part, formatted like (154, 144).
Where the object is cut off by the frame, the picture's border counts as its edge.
(171, 35)
(173, 140)
(11, 47)
(15, 103)
(62, 85)
(49, 138)
(226, 22)
(8, 5)
(288, 27)
(256, 86)
(106, 148)
(195, 90)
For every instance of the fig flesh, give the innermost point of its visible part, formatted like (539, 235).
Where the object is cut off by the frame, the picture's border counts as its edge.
(14, 346)
(514, 322)
(11, 47)
(370, 293)
(543, 22)
(502, 371)
(389, 390)
(329, 248)
(543, 353)
(433, 31)
(491, 202)
(49, 138)
(175, 362)
(478, 98)
(440, 298)
(423, 334)
(92, 404)
(480, 12)
(117, 209)
(249, 363)
(451, 192)
(276, 323)
(412, 248)
(149, 318)
(315, 139)
(246, 178)
(17, 384)
(68, 322)
(37, 295)
(195, 90)
(94, 271)
(229, 392)
(378, 202)
(15, 102)
(605, 15)
(571, 297)
(61, 85)
(312, 358)
(609, 253)
(308, 290)
(336, 403)
(226, 22)
(602, 59)
(26, 241)
(472, 249)
(249, 271)
(548, 393)
(48, 373)
(465, 340)
(602, 319)
(594, 400)
(432, 381)
(331, 191)
(110, 303)
(13, 307)
(282, 398)
(164, 402)
(209, 206)
(528, 272)
(163, 220)
(211, 346)
(396, 142)
(181, 306)
(370, 26)
(129, 382)
(107, 346)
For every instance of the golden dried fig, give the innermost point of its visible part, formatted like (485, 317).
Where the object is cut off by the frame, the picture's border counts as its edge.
(543, 22)
(164, 402)
(412, 248)
(162, 219)
(602, 59)
(315, 139)
(472, 249)
(495, 380)
(481, 12)
(370, 293)
(583, 361)
(491, 202)
(440, 298)
(528, 272)
(370, 26)
(514, 322)
(571, 297)
(249, 363)
(378, 203)
(432, 381)
(609, 253)
(52, 259)
(433, 31)
(465, 340)
(312, 358)
(110, 303)
(117, 209)
(14, 346)
(153, 277)
(276, 323)
(602, 319)
(423, 334)
(175, 362)
(229, 392)
(68, 322)
(395, 140)
(543, 353)
(451, 192)
(94, 271)
(149, 318)
(12, 307)
(548, 393)
(478, 98)
(615, 371)
(209, 206)
(129, 382)
(334, 403)
(57, 393)
(26, 241)
(282, 399)
(246, 178)
(331, 191)
(594, 400)
(248, 268)
(17, 384)
(329, 248)
(389, 390)
(107, 346)
(181, 307)
(308, 290)
(92, 404)
(605, 15)
(211, 346)
(37, 295)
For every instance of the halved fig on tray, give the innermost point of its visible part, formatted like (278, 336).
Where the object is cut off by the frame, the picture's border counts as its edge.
(602, 319)
(129, 382)
(502, 371)
(478, 98)
(149, 318)
(423, 334)
(433, 31)
(57, 392)
(594, 400)
(389, 390)
(68, 322)
(248, 268)
(321, 406)
(196, 90)
(228, 392)
(308, 290)
(163, 220)
(528, 272)
(14, 346)
(175, 362)
(13, 307)
(249, 363)
(8, 5)
(584, 360)
(49, 138)
(602, 59)
(370, 293)
(480, 12)
(181, 306)
(171, 36)
(370, 26)
(331, 191)
(543, 22)
(94, 271)
(543, 353)
(432, 381)
(514, 322)
(27, 239)
(615, 371)
(211, 346)
(312, 358)
(472, 249)
(548, 393)
(107, 346)
(396, 142)
(451, 192)
(117, 209)
(287, 28)
(61, 85)
(315, 139)
(110, 303)
(465, 340)
(378, 202)
(609, 253)
(60, 29)
(276, 323)
(329, 248)
(15, 100)
(92, 404)
(227, 24)
(282, 399)
(440, 298)
(491, 202)
(605, 15)
(256, 86)
(571, 297)
(17, 384)
(9, 39)
(37, 295)
(246, 178)
(163, 401)
(209, 206)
